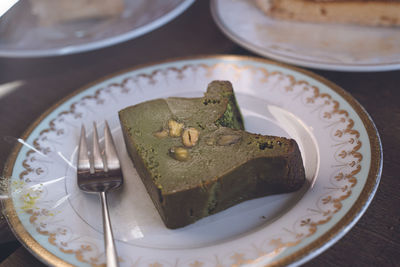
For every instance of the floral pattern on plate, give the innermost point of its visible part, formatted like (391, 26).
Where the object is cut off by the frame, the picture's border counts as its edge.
(339, 144)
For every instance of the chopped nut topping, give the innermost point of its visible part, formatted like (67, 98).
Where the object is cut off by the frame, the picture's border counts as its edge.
(190, 137)
(229, 139)
(161, 134)
(175, 128)
(179, 153)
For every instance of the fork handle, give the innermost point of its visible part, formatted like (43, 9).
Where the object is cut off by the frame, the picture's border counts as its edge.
(111, 254)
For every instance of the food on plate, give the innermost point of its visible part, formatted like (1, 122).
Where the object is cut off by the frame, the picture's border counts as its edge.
(362, 12)
(55, 11)
(195, 159)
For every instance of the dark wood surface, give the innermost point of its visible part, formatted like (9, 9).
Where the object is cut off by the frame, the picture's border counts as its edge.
(373, 241)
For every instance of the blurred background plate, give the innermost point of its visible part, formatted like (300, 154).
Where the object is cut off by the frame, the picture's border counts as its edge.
(28, 30)
(313, 45)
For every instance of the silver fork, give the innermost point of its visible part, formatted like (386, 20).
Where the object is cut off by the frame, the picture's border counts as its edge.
(100, 173)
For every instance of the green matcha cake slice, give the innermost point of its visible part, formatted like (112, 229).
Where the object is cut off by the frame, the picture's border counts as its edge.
(195, 159)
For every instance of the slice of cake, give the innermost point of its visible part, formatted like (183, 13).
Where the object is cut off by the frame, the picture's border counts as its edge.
(362, 12)
(195, 159)
(56, 11)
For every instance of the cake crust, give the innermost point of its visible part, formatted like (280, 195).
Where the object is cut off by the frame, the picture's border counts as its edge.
(362, 12)
(52, 12)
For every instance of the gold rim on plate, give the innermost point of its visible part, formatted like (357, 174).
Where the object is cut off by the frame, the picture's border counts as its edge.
(309, 251)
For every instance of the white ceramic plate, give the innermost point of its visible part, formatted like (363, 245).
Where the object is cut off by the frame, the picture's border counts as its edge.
(22, 35)
(339, 144)
(320, 46)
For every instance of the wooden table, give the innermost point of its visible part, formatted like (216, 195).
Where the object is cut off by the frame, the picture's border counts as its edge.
(373, 241)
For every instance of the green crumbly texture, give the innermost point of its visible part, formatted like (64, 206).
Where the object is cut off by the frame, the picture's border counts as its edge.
(226, 165)
(217, 109)
(229, 119)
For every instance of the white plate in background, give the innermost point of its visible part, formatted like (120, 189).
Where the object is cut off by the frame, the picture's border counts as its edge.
(314, 45)
(21, 35)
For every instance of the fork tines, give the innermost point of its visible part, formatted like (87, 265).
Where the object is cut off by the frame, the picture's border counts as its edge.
(101, 168)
